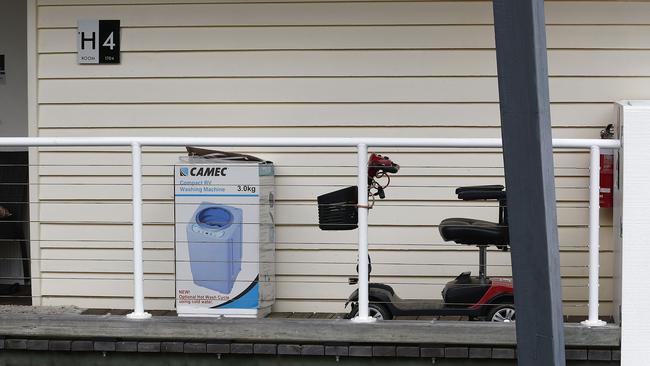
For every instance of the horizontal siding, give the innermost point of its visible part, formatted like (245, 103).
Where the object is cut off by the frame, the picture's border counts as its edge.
(330, 131)
(431, 163)
(427, 189)
(197, 115)
(216, 38)
(279, 63)
(404, 267)
(157, 288)
(327, 90)
(289, 237)
(335, 13)
(301, 213)
(367, 63)
(313, 68)
(259, 14)
(570, 307)
(58, 41)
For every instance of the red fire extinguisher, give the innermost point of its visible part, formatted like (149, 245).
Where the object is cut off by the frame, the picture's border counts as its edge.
(607, 170)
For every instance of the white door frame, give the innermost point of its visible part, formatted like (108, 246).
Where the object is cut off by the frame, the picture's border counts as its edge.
(32, 131)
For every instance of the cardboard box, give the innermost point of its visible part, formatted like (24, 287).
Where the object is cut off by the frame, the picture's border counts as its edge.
(224, 237)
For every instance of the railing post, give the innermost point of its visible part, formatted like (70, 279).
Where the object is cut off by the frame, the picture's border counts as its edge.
(362, 199)
(594, 239)
(138, 270)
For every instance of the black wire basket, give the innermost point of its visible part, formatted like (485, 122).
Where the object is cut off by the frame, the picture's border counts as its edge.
(338, 210)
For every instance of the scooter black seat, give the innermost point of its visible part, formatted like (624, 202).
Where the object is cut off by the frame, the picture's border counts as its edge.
(473, 232)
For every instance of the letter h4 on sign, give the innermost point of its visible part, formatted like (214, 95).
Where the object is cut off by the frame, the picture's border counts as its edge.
(98, 42)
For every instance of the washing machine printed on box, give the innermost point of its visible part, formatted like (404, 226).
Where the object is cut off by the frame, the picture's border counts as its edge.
(214, 238)
(224, 237)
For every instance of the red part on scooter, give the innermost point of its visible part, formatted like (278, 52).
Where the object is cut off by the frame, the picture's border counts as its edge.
(380, 164)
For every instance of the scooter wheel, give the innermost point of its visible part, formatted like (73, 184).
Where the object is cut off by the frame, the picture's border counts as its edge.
(502, 313)
(377, 311)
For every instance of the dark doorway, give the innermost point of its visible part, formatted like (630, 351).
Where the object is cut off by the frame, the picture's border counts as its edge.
(15, 283)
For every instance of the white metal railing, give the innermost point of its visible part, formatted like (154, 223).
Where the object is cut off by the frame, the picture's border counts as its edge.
(594, 236)
(361, 144)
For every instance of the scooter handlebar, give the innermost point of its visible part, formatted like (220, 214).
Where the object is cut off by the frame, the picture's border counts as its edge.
(378, 163)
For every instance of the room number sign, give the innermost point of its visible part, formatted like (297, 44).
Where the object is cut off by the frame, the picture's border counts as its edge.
(98, 41)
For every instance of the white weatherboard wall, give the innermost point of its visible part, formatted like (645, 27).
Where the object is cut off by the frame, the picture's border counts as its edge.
(310, 68)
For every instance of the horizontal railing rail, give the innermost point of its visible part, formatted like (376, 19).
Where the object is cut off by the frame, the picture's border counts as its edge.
(292, 142)
(361, 145)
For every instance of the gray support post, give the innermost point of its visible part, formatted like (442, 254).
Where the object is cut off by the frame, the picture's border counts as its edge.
(528, 161)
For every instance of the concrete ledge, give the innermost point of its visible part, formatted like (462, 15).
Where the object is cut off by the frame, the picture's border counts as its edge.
(264, 349)
(600, 355)
(60, 345)
(218, 347)
(503, 353)
(171, 347)
(148, 346)
(482, 352)
(403, 351)
(105, 346)
(360, 351)
(288, 331)
(82, 346)
(312, 350)
(336, 350)
(289, 349)
(38, 344)
(432, 351)
(16, 344)
(241, 348)
(383, 351)
(195, 347)
(456, 352)
(576, 354)
(290, 337)
(298, 350)
(128, 346)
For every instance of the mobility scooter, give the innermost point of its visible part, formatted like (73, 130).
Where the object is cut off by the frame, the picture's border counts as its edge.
(477, 297)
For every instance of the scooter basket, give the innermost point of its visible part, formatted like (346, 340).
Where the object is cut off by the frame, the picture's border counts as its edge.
(338, 210)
